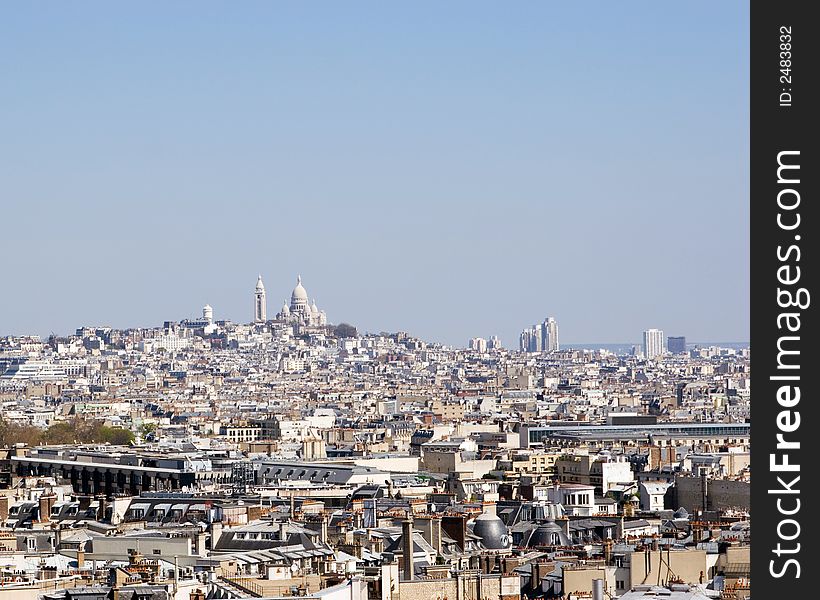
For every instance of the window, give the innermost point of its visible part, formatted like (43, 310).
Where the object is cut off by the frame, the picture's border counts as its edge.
(156, 551)
(619, 584)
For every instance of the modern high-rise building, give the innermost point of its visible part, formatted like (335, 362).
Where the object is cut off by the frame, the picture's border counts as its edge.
(208, 314)
(540, 338)
(676, 345)
(478, 344)
(529, 340)
(494, 343)
(260, 309)
(549, 335)
(653, 343)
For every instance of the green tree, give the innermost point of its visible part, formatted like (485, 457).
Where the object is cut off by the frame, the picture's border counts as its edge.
(118, 436)
(61, 432)
(345, 330)
(147, 429)
(12, 433)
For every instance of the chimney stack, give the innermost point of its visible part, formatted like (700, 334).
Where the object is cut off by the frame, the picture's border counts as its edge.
(435, 533)
(608, 551)
(597, 589)
(323, 535)
(619, 529)
(47, 500)
(407, 548)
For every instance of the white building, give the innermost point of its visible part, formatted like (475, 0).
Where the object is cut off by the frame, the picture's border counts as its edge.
(575, 498)
(300, 312)
(654, 344)
(540, 338)
(478, 344)
(652, 494)
(260, 310)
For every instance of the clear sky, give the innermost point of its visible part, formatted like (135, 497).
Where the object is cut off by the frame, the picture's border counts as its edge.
(450, 169)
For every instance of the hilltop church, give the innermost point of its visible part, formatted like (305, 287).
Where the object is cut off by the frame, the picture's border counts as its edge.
(298, 313)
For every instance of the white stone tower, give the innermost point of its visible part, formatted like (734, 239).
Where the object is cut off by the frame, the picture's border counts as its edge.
(260, 310)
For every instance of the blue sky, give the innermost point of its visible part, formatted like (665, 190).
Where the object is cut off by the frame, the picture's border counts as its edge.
(447, 169)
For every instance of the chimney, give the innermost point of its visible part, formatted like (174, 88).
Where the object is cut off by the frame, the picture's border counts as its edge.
(199, 544)
(103, 500)
(216, 533)
(456, 527)
(47, 500)
(608, 551)
(597, 589)
(407, 548)
(435, 534)
(4, 508)
(564, 523)
(283, 531)
(80, 559)
(704, 492)
(323, 534)
(540, 570)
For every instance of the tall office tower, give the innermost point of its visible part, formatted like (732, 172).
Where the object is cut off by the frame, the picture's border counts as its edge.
(478, 344)
(676, 345)
(549, 335)
(494, 343)
(528, 340)
(260, 309)
(523, 341)
(653, 343)
(208, 314)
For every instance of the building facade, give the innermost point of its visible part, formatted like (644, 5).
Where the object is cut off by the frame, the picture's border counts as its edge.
(653, 343)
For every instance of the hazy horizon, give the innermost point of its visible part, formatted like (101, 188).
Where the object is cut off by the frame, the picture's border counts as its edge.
(451, 171)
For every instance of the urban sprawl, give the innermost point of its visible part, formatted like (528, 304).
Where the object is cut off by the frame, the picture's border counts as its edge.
(289, 457)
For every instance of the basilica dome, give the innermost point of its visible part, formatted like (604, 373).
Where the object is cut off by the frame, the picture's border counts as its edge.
(299, 295)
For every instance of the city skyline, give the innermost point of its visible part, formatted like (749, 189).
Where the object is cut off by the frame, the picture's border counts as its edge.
(258, 313)
(460, 187)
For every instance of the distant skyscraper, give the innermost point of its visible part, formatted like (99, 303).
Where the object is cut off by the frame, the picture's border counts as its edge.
(208, 314)
(676, 345)
(260, 309)
(529, 341)
(494, 343)
(549, 335)
(653, 343)
(540, 338)
(478, 344)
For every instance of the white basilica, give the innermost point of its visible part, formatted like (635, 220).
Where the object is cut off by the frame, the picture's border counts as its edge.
(298, 313)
